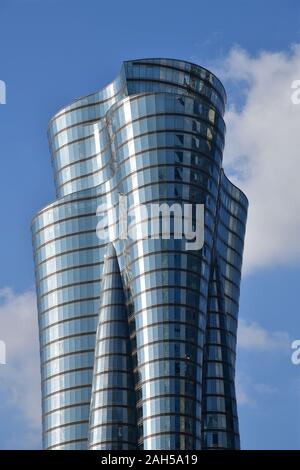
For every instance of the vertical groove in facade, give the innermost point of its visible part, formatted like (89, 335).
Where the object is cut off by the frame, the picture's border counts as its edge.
(113, 404)
(155, 135)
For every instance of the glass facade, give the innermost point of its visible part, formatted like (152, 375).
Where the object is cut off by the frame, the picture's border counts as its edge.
(138, 336)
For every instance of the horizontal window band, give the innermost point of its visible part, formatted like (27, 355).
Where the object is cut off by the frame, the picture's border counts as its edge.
(191, 72)
(133, 297)
(112, 155)
(127, 79)
(165, 305)
(199, 98)
(66, 407)
(61, 356)
(162, 378)
(95, 196)
(169, 433)
(95, 444)
(65, 443)
(167, 414)
(146, 255)
(168, 270)
(65, 110)
(177, 165)
(113, 405)
(113, 424)
(135, 334)
(164, 340)
(191, 117)
(65, 372)
(160, 200)
(66, 425)
(67, 320)
(73, 335)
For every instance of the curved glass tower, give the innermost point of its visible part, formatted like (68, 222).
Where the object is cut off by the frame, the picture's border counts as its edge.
(138, 335)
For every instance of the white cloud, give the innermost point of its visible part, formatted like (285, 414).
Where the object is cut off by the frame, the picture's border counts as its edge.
(20, 377)
(252, 336)
(249, 392)
(243, 394)
(262, 151)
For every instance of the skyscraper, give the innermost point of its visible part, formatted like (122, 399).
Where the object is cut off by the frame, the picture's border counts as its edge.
(138, 336)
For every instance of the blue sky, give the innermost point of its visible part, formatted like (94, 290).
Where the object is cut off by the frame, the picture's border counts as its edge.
(53, 51)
